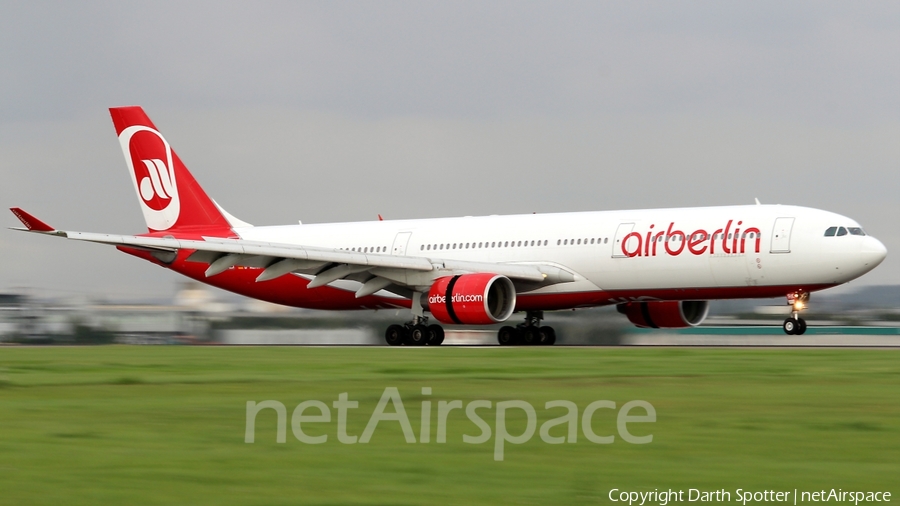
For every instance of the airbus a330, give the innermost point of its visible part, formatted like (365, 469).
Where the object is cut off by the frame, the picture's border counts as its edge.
(660, 267)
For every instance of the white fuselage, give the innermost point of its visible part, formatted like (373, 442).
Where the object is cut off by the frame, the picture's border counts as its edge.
(625, 251)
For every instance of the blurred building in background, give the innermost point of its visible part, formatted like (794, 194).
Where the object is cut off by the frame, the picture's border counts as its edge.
(868, 316)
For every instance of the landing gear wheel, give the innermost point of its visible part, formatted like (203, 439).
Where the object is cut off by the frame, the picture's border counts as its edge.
(794, 325)
(791, 326)
(395, 335)
(418, 335)
(506, 336)
(435, 335)
(530, 336)
(547, 336)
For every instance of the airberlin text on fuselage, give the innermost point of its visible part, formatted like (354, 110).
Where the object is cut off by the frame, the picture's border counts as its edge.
(726, 240)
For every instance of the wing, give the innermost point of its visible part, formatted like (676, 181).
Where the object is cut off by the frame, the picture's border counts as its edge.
(322, 265)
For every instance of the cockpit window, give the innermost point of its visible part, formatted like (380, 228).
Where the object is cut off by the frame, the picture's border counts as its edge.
(856, 231)
(830, 232)
(841, 231)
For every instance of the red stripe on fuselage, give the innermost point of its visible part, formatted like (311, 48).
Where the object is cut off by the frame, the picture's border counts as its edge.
(291, 290)
(551, 301)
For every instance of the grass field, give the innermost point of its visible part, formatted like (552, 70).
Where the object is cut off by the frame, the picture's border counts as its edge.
(166, 425)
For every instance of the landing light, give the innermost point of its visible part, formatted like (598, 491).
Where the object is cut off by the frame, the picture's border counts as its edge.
(798, 305)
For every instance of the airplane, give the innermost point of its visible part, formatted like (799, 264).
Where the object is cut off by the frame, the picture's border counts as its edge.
(659, 267)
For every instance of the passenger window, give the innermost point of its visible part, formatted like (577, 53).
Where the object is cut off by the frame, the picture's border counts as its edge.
(856, 231)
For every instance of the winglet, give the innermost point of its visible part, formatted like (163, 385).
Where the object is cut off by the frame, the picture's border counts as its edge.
(33, 224)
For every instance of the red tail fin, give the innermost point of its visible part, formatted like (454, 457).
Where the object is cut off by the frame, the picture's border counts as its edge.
(170, 197)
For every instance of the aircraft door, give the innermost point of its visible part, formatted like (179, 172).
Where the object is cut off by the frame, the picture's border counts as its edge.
(623, 230)
(400, 242)
(781, 235)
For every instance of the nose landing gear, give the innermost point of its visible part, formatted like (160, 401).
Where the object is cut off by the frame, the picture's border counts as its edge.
(794, 325)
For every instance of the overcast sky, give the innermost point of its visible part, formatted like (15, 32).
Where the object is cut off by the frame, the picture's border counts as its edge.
(334, 111)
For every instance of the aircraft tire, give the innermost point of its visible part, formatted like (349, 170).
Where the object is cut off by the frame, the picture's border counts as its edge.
(418, 335)
(790, 326)
(547, 336)
(395, 335)
(435, 335)
(530, 336)
(506, 336)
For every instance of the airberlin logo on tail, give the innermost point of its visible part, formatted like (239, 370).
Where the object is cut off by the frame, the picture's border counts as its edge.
(159, 183)
(729, 240)
(149, 158)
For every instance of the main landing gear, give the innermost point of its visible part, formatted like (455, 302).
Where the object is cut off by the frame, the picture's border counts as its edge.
(415, 333)
(794, 325)
(528, 333)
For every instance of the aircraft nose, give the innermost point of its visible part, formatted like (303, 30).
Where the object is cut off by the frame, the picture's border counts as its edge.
(873, 251)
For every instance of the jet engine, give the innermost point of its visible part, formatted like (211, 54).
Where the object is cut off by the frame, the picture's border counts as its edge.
(472, 299)
(666, 314)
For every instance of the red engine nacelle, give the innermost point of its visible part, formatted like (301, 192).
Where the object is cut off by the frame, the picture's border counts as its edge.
(666, 314)
(472, 299)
